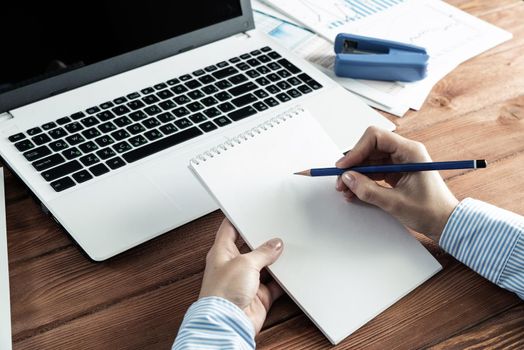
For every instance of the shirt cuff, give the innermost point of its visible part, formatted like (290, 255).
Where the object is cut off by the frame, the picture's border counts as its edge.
(482, 237)
(215, 322)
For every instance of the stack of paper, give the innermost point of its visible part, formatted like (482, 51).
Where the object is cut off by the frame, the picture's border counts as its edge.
(451, 36)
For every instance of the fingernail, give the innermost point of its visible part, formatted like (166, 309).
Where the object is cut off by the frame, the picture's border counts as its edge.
(349, 180)
(275, 243)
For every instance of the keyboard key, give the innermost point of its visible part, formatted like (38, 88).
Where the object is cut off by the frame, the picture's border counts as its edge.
(222, 121)
(120, 100)
(151, 123)
(209, 101)
(193, 84)
(226, 107)
(160, 86)
(167, 129)
(206, 79)
(49, 126)
(91, 110)
(88, 147)
(182, 99)
(71, 153)
(211, 68)
(252, 74)
(242, 113)
(90, 133)
(212, 112)
(195, 95)
(260, 106)
(265, 49)
(63, 120)
(294, 81)
(161, 144)
(245, 56)
(58, 145)
(185, 77)
(165, 94)
(82, 176)
(224, 73)
(89, 121)
(106, 115)
(120, 110)
(62, 184)
(261, 94)
(223, 96)
(48, 162)
(284, 73)
(180, 112)
(244, 100)
(273, 89)
(57, 133)
(243, 89)
(89, 160)
(104, 140)
(37, 153)
(74, 127)
(137, 116)
(135, 129)
(122, 147)
(253, 62)
(152, 110)
(271, 102)
(238, 79)
(122, 121)
(208, 126)
(34, 131)
(62, 170)
(195, 106)
(74, 139)
(304, 89)
(309, 81)
(283, 97)
(138, 140)
(263, 70)
(210, 89)
(283, 85)
(106, 127)
(199, 72)
(255, 53)
(152, 135)
(243, 66)
(263, 81)
(167, 105)
(183, 123)
(294, 93)
(179, 89)
(120, 135)
(40, 139)
(274, 55)
(222, 64)
(133, 96)
(150, 99)
(105, 153)
(234, 60)
(135, 104)
(264, 58)
(115, 163)
(223, 84)
(16, 137)
(274, 66)
(165, 117)
(273, 77)
(99, 169)
(77, 115)
(198, 118)
(107, 105)
(173, 82)
(147, 91)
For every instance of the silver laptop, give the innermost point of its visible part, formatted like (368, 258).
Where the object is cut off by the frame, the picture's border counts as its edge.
(102, 105)
(5, 305)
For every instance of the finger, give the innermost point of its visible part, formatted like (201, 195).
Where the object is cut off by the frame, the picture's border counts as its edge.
(266, 254)
(224, 245)
(269, 293)
(374, 140)
(369, 191)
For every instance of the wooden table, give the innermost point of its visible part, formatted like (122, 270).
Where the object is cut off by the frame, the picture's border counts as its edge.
(60, 300)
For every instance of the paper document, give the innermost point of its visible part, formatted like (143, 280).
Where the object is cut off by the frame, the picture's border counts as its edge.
(450, 35)
(343, 263)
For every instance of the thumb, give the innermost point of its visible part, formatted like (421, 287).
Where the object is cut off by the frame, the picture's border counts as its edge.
(266, 254)
(368, 190)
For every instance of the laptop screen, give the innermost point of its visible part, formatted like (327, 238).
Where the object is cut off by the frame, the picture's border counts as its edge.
(43, 39)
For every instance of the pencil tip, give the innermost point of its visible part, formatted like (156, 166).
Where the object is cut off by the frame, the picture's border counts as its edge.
(303, 173)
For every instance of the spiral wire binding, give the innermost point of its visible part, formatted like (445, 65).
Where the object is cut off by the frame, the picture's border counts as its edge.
(246, 135)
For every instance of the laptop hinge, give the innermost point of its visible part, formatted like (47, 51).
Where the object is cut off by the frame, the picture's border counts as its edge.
(5, 117)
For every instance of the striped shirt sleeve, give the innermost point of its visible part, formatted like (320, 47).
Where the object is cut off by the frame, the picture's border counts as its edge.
(215, 323)
(489, 240)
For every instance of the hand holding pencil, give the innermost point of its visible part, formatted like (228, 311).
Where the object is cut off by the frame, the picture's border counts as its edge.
(420, 200)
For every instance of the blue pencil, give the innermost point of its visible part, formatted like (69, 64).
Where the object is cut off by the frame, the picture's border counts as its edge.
(398, 168)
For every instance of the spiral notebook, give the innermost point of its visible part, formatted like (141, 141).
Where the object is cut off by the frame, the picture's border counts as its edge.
(343, 263)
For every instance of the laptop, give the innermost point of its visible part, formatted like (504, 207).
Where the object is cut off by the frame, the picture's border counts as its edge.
(5, 305)
(102, 105)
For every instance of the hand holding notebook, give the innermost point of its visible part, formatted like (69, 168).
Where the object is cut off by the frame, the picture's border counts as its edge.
(343, 263)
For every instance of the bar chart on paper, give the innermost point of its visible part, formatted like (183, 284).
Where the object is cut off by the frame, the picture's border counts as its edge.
(331, 14)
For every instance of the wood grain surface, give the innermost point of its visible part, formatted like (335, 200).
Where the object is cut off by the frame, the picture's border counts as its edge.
(61, 300)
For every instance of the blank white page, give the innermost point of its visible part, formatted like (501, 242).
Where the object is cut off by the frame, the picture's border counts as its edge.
(343, 263)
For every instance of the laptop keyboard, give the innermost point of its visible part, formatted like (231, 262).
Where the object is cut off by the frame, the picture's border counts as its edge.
(79, 147)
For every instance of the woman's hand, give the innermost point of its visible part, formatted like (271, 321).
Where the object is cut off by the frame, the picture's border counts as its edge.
(236, 277)
(420, 200)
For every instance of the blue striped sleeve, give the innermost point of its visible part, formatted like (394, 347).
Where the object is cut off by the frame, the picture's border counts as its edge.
(489, 240)
(215, 323)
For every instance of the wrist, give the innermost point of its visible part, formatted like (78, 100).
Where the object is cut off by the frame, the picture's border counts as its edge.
(444, 213)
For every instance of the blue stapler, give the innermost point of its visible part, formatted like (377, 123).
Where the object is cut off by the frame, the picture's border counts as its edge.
(361, 57)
